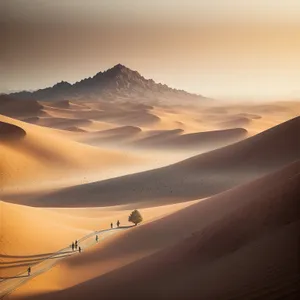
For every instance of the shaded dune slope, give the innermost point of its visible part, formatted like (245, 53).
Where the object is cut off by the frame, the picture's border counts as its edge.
(9, 132)
(245, 241)
(197, 177)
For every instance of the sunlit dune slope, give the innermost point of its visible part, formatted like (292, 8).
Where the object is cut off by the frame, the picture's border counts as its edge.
(29, 235)
(244, 239)
(197, 177)
(30, 153)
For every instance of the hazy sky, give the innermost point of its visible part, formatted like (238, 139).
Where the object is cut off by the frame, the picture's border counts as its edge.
(218, 48)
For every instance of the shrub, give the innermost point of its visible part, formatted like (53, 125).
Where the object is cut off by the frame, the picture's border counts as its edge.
(135, 217)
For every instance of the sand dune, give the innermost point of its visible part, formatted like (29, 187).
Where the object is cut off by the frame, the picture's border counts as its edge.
(124, 130)
(123, 114)
(200, 140)
(59, 123)
(235, 122)
(197, 177)
(155, 138)
(12, 107)
(115, 135)
(75, 129)
(135, 118)
(60, 104)
(10, 132)
(43, 154)
(249, 233)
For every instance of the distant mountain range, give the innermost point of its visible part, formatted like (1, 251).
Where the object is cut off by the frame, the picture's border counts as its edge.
(117, 83)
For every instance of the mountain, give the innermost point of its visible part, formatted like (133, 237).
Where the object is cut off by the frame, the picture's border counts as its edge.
(118, 82)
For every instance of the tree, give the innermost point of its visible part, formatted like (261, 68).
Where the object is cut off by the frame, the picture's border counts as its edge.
(135, 217)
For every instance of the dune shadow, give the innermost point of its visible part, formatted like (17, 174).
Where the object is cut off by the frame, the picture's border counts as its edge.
(36, 255)
(13, 277)
(34, 259)
(124, 227)
(16, 264)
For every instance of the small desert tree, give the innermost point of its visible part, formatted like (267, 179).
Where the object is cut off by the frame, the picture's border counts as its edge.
(135, 217)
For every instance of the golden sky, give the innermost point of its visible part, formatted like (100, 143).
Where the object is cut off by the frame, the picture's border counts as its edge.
(218, 48)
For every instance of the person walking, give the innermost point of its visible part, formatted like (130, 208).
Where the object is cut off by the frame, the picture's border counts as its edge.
(79, 249)
(76, 244)
(118, 223)
(29, 270)
(97, 238)
(73, 246)
(111, 225)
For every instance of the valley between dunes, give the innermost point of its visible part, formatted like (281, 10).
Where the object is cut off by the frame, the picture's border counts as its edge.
(217, 185)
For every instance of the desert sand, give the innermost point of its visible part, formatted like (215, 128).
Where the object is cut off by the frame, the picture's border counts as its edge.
(215, 182)
(213, 237)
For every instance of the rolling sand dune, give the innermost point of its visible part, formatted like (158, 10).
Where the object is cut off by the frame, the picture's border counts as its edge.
(12, 107)
(40, 153)
(134, 118)
(75, 129)
(197, 177)
(157, 137)
(243, 240)
(235, 122)
(114, 135)
(124, 130)
(59, 123)
(200, 140)
(60, 104)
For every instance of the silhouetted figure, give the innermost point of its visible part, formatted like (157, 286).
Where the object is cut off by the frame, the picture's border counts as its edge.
(118, 223)
(73, 246)
(97, 238)
(29, 271)
(79, 249)
(76, 244)
(111, 225)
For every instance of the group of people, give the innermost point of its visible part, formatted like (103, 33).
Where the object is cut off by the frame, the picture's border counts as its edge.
(112, 225)
(75, 246)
